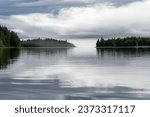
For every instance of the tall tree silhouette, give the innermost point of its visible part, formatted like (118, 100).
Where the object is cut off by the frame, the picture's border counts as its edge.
(8, 38)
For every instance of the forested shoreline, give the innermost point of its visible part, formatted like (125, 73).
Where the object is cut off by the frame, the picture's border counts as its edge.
(123, 42)
(11, 39)
(8, 38)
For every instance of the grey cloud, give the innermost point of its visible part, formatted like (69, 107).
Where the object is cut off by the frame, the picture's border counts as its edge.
(83, 21)
(10, 7)
(98, 19)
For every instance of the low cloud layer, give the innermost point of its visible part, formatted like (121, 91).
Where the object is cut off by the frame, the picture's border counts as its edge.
(92, 19)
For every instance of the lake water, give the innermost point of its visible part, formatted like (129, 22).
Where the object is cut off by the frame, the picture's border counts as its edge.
(75, 73)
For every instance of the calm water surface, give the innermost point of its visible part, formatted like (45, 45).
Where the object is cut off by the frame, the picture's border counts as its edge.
(77, 73)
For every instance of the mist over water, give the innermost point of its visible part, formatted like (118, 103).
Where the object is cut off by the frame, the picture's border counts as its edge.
(84, 43)
(75, 73)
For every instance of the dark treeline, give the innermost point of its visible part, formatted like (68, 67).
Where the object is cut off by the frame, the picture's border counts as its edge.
(126, 41)
(8, 38)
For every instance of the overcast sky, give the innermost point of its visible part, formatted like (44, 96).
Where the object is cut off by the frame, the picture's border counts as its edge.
(76, 18)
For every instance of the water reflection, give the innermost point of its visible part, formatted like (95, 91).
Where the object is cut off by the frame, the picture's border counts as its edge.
(101, 52)
(45, 51)
(79, 73)
(8, 56)
(52, 89)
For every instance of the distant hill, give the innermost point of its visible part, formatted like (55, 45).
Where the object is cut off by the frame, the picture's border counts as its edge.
(8, 38)
(46, 43)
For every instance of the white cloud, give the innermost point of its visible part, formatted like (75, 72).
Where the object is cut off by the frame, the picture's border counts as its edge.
(95, 19)
(18, 31)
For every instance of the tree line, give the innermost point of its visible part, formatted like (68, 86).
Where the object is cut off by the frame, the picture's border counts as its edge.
(8, 38)
(126, 41)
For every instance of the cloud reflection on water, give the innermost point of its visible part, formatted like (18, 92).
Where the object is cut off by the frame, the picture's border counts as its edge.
(77, 73)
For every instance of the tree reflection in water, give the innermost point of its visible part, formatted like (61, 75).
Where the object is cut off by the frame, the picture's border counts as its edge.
(8, 56)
